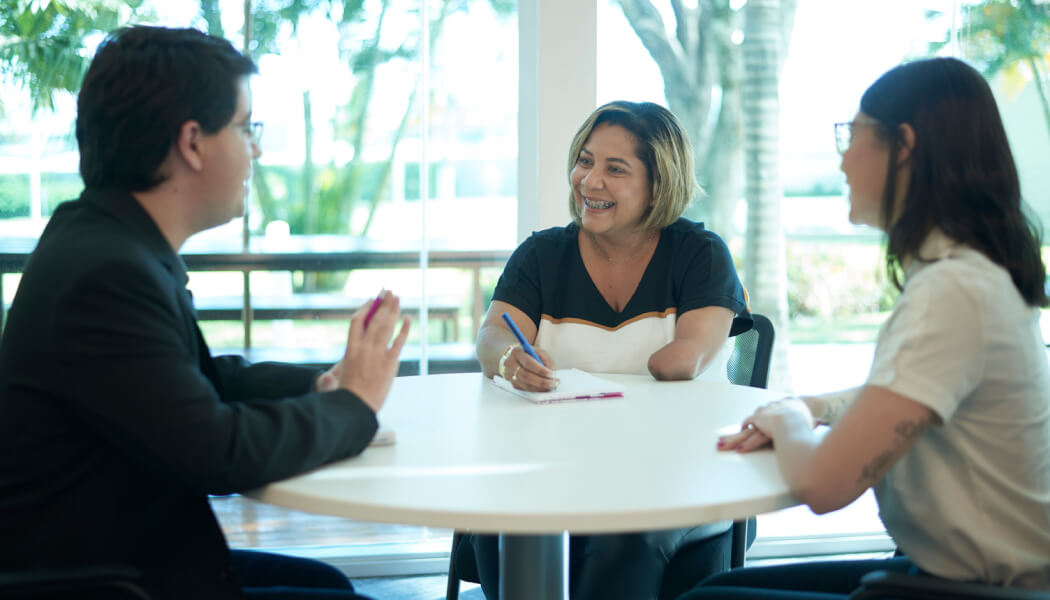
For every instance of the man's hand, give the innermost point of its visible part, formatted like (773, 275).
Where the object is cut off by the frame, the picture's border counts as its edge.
(329, 380)
(370, 363)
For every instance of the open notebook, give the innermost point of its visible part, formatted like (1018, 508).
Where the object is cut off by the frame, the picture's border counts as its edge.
(574, 384)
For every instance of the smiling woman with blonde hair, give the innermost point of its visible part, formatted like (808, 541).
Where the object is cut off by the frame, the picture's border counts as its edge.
(628, 287)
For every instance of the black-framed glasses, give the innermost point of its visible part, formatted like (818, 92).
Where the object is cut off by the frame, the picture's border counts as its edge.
(844, 133)
(254, 130)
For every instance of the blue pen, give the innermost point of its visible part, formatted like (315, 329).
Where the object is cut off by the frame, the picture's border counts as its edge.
(525, 345)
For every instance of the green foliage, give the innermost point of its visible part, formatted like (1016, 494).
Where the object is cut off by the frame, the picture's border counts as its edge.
(324, 201)
(14, 196)
(284, 201)
(325, 198)
(999, 33)
(836, 281)
(328, 196)
(268, 17)
(55, 189)
(213, 17)
(42, 42)
(854, 329)
(412, 181)
(504, 7)
(58, 188)
(1003, 36)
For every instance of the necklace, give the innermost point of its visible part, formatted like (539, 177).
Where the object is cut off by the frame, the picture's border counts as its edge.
(605, 255)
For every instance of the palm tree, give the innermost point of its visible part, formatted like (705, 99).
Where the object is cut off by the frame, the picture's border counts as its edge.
(764, 251)
(701, 69)
(42, 51)
(725, 95)
(42, 43)
(328, 194)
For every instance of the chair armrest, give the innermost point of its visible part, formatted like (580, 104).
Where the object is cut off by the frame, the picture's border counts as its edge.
(905, 586)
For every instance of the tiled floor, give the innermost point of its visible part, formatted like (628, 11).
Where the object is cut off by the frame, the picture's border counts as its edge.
(251, 524)
(425, 587)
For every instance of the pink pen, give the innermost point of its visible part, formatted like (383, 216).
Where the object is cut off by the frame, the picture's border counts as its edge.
(375, 306)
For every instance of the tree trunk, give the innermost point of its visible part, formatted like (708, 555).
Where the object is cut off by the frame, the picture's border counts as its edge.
(720, 168)
(355, 169)
(213, 17)
(306, 184)
(436, 27)
(765, 265)
(700, 66)
(306, 179)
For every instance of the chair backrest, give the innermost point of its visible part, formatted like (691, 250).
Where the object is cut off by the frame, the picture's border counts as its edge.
(749, 362)
(887, 585)
(749, 365)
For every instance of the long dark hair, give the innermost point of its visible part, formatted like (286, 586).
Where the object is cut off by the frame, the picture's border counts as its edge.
(963, 177)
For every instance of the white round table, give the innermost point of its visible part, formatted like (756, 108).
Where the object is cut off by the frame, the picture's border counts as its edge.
(471, 456)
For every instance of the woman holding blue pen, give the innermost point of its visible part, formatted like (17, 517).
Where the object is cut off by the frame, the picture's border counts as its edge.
(629, 286)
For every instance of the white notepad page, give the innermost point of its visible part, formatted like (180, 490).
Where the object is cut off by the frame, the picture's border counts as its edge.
(574, 384)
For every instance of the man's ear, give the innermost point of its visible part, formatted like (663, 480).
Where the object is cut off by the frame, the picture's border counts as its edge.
(187, 145)
(907, 143)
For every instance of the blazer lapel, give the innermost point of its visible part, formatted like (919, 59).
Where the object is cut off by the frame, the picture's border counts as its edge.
(207, 365)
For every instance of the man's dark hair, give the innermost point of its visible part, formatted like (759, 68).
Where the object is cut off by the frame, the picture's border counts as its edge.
(142, 86)
(963, 177)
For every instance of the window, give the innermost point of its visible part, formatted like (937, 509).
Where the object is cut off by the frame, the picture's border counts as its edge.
(836, 297)
(381, 145)
(426, 139)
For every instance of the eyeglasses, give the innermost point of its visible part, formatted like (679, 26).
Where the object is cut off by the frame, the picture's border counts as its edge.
(254, 130)
(844, 133)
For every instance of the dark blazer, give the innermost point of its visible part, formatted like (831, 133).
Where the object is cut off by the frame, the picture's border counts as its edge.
(116, 422)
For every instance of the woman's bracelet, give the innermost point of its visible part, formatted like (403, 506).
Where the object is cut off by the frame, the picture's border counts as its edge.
(502, 369)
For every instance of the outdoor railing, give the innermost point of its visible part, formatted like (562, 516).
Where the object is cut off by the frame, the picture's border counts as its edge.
(310, 254)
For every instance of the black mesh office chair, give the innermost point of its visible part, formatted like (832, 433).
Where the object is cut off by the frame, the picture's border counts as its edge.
(748, 365)
(100, 582)
(886, 585)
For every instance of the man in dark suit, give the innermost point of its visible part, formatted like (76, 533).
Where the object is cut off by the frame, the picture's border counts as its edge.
(115, 421)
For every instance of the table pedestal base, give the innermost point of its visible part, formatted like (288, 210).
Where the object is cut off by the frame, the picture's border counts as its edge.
(534, 567)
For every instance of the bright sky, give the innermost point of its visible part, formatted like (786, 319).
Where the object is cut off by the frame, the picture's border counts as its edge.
(837, 49)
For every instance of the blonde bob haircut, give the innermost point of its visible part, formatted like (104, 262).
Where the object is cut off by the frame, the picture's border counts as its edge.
(662, 146)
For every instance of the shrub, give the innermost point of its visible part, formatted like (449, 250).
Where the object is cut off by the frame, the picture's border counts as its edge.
(836, 280)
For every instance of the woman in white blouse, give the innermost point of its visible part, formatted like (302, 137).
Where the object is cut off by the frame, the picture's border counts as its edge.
(952, 427)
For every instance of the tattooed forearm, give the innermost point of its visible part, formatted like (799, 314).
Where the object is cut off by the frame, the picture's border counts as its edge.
(907, 432)
(872, 472)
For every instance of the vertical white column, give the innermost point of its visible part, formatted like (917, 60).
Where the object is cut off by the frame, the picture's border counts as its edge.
(557, 89)
(424, 181)
(36, 150)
